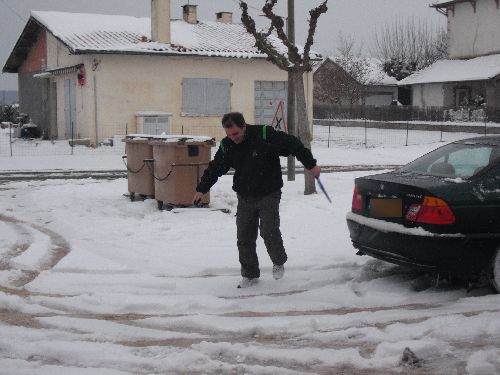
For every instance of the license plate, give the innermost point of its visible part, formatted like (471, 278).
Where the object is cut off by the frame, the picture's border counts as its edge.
(386, 207)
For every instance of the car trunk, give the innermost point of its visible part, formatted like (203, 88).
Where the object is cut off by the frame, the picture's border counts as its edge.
(390, 196)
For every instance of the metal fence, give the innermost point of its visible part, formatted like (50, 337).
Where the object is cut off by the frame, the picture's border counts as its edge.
(405, 113)
(369, 134)
(326, 133)
(16, 141)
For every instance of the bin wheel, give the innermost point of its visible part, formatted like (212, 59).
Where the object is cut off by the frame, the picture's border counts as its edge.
(132, 196)
(160, 205)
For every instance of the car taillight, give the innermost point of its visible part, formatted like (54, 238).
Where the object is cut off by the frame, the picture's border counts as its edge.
(357, 199)
(431, 211)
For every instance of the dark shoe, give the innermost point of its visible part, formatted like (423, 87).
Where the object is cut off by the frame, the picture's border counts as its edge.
(247, 282)
(278, 271)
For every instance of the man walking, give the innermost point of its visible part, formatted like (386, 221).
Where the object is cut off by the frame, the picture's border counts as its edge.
(253, 151)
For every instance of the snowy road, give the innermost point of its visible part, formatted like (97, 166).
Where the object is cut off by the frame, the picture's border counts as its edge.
(91, 283)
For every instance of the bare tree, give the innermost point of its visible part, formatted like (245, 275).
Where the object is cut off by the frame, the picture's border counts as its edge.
(408, 45)
(294, 62)
(358, 69)
(345, 77)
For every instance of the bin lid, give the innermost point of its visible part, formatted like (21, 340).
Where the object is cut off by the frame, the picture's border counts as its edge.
(137, 138)
(183, 138)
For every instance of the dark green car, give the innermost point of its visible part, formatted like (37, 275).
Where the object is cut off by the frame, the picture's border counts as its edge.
(440, 212)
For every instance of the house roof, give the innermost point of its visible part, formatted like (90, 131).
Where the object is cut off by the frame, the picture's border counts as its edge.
(445, 3)
(375, 74)
(98, 33)
(476, 69)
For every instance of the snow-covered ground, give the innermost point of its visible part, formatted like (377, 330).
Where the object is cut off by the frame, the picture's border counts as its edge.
(92, 283)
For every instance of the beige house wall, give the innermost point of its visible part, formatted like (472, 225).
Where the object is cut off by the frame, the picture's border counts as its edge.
(117, 86)
(472, 33)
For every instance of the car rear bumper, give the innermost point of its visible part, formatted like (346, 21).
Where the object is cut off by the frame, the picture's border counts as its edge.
(460, 255)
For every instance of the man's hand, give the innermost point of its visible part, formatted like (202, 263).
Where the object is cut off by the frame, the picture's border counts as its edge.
(197, 198)
(315, 171)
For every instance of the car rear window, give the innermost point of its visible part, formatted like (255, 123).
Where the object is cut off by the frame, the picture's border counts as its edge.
(455, 160)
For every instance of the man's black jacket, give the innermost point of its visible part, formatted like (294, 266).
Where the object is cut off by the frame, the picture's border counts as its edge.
(255, 161)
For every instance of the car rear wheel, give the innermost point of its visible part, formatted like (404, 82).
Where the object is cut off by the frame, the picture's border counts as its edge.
(495, 275)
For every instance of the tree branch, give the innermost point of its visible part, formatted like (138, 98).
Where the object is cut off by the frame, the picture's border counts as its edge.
(294, 61)
(261, 40)
(314, 13)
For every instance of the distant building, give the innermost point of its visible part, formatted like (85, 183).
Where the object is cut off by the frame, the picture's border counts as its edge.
(90, 75)
(363, 83)
(471, 74)
(8, 97)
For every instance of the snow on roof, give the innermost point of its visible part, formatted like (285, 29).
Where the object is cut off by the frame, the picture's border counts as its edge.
(440, 3)
(86, 33)
(476, 69)
(375, 74)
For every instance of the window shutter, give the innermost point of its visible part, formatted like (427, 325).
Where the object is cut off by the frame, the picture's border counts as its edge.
(218, 96)
(193, 95)
(204, 96)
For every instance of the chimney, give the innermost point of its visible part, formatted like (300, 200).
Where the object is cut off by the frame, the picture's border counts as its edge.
(224, 17)
(189, 13)
(160, 21)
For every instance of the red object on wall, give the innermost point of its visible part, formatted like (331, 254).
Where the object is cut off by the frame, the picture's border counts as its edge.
(81, 76)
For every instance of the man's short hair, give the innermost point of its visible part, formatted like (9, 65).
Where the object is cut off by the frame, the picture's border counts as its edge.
(233, 118)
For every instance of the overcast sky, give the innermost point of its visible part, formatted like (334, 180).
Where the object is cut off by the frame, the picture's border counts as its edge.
(356, 18)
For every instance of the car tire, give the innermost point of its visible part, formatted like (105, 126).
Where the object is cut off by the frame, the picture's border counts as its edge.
(495, 271)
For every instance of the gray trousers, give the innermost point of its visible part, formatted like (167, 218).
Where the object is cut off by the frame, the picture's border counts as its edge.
(254, 214)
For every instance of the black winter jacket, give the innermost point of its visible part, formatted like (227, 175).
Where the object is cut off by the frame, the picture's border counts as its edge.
(255, 161)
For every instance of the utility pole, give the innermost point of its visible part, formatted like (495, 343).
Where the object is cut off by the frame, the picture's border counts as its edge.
(292, 128)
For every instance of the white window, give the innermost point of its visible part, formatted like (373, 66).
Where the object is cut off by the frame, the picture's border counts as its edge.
(205, 96)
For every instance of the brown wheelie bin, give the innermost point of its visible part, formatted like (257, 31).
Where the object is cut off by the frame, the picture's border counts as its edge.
(139, 176)
(179, 163)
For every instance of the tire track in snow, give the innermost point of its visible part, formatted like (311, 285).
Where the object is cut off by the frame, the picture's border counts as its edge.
(59, 248)
(20, 246)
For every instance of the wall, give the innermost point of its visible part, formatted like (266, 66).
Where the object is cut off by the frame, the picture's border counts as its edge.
(121, 85)
(381, 95)
(58, 56)
(37, 57)
(428, 95)
(493, 93)
(154, 83)
(473, 34)
(34, 92)
(118, 85)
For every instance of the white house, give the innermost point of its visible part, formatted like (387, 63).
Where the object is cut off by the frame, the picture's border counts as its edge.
(471, 74)
(92, 76)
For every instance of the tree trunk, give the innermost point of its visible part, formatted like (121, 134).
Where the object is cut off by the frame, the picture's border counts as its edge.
(292, 122)
(303, 126)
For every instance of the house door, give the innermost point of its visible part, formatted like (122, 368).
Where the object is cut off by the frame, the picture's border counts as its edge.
(461, 97)
(268, 94)
(69, 108)
(52, 110)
